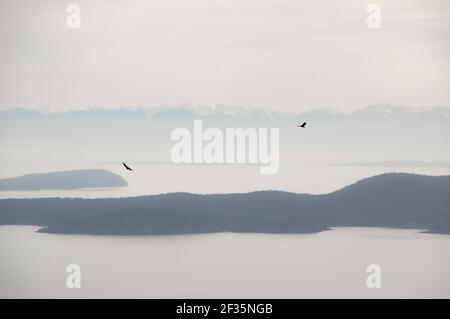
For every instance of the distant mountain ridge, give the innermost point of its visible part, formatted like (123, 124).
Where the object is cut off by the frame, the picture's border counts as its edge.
(382, 110)
(395, 200)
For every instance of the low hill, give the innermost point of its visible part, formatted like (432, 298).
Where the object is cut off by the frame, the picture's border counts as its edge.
(63, 180)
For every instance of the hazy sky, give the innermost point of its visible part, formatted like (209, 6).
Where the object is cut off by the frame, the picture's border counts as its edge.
(279, 54)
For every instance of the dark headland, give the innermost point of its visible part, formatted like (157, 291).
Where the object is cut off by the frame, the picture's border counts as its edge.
(85, 178)
(394, 200)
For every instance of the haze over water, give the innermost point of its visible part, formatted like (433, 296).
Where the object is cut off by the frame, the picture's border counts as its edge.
(156, 178)
(113, 90)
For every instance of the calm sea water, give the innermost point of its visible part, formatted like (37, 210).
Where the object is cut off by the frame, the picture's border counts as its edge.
(327, 264)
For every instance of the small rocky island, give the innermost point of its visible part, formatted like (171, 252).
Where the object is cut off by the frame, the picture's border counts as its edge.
(85, 178)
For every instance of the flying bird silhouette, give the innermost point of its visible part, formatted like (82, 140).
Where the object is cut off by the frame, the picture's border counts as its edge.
(127, 167)
(303, 125)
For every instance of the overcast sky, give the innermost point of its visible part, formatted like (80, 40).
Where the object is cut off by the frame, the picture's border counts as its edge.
(278, 54)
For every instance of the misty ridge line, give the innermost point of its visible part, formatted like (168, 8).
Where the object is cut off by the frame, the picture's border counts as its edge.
(238, 111)
(395, 200)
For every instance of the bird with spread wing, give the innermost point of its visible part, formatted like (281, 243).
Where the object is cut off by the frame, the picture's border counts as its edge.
(127, 167)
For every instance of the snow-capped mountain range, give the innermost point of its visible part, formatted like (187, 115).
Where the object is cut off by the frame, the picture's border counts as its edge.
(377, 111)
